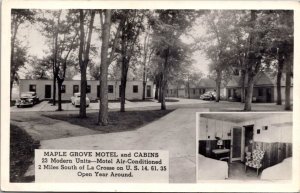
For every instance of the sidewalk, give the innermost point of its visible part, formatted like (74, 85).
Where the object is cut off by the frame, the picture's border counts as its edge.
(174, 132)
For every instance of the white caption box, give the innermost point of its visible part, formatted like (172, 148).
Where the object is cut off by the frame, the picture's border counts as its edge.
(118, 166)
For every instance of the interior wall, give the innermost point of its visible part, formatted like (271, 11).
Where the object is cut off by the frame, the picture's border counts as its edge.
(211, 128)
(279, 128)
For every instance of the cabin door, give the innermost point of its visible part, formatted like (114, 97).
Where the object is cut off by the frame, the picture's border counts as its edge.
(47, 91)
(236, 150)
(148, 91)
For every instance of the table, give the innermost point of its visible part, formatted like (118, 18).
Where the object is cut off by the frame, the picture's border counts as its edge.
(221, 154)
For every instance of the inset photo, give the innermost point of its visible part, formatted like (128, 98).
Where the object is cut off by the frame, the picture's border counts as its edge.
(245, 146)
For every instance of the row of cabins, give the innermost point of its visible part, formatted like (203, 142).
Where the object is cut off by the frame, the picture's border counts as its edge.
(44, 89)
(264, 90)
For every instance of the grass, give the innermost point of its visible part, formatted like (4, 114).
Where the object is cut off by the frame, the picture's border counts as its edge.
(118, 121)
(21, 154)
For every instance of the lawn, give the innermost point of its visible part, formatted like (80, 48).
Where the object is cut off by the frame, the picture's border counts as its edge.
(118, 121)
(21, 154)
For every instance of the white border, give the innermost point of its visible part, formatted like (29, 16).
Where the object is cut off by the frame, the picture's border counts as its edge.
(207, 187)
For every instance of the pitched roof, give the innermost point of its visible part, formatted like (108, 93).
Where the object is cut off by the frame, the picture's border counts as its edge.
(206, 83)
(261, 79)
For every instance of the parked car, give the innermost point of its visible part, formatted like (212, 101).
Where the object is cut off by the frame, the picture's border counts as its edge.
(27, 99)
(75, 100)
(209, 95)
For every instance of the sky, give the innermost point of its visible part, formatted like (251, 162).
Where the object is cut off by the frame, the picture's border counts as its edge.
(35, 41)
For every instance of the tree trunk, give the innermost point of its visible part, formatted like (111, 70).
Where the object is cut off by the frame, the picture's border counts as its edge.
(54, 90)
(84, 59)
(156, 91)
(163, 80)
(243, 77)
(218, 81)
(250, 73)
(160, 87)
(12, 78)
(59, 85)
(288, 81)
(83, 84)
(156, 94)
(124, 71)
(162, 93)
(278, 80)
(103, 106)
(144, 90)
(248, 99)
(188, 87)
(12, 55)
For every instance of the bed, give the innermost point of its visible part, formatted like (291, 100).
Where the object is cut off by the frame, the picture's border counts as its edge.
(211, 169)
(281, 171)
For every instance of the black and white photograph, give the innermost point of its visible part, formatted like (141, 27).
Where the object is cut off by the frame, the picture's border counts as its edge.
(146, 81)
(245, 146)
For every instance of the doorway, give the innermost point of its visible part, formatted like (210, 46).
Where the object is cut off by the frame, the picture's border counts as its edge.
(237, 144)
(148, 91)
(47, 91)
(248, 137)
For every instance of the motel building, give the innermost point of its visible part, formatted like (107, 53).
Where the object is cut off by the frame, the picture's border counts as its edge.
(44, 89)
(264, 88)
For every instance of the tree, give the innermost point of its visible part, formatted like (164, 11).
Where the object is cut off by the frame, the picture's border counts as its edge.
(130, 31)
(168, 27)
(40, 68)
(20, 59)
(18, 17)
(107, 18)
(217, 43)
(147, 55)
(59, 27)
(103, 106)
(83, 54)
(282, 38)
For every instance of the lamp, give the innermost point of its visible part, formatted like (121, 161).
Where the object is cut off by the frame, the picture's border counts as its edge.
(219, 142)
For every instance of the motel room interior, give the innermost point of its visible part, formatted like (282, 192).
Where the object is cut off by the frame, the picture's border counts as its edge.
(245, 146)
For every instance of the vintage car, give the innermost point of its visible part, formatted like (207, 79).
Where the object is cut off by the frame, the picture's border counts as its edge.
(27, 99)
(209, 95)
(75, 100)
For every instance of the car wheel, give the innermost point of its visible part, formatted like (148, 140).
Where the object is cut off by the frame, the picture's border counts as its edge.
(87, 105)
(18, 106)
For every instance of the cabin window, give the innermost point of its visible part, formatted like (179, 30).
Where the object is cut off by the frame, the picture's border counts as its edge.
(110, 89)
(63, 88)
(88, 88)
(135, 89)
(98, 91)
(75, 89)
(32, 88)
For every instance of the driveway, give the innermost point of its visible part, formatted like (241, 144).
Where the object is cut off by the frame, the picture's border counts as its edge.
(174, 132)
(46, 106)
